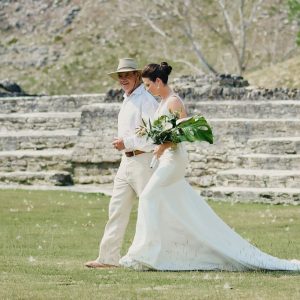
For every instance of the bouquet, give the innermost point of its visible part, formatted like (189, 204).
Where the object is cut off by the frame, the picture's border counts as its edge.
(169, 128)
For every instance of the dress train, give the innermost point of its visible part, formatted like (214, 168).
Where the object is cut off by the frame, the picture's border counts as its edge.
(177, 230)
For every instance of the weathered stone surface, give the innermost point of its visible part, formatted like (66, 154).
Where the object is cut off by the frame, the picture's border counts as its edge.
(271, 109)
(246, 194)
(97, 130)
(276, 145)
(269, 161)
(210, 87)
(206, 161)
(37, 139)
(259, 178)
(39, 121)
(59, 178)
(260, 138)
(10, 88)
(48, 103)
(35, 161)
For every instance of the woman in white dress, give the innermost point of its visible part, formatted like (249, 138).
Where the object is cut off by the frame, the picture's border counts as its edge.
(176, 229)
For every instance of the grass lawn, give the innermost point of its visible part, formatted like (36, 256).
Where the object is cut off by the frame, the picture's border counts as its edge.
(46, 236)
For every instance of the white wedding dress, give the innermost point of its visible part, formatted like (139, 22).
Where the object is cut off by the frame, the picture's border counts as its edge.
(177, 230)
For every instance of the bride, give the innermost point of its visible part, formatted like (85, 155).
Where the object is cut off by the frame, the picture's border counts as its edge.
(176, 229)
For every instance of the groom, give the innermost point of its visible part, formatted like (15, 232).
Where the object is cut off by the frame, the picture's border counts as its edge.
(134, 171)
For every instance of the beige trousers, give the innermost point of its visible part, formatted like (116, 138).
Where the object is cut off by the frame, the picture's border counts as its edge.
(132, 176)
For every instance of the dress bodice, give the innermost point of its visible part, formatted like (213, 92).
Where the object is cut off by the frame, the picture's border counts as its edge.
(163, 107)
(170, 153)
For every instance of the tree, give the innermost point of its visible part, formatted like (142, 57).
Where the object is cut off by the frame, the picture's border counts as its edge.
(232, 35)
(294, 13)
(169, 19)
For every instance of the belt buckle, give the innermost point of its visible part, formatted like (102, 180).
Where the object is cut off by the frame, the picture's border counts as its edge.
(133, 153)
(129, 153)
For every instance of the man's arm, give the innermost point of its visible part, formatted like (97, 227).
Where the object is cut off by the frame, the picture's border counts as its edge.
(148, 108)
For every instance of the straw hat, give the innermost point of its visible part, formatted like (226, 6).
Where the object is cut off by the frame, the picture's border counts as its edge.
(125, 65)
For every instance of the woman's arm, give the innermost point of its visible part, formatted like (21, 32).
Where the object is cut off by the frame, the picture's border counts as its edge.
(176, 105)
(160, 149)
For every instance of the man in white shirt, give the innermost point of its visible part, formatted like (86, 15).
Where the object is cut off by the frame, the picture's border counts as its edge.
(134, 171)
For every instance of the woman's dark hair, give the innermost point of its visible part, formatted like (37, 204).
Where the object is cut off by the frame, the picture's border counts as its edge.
(153, 71)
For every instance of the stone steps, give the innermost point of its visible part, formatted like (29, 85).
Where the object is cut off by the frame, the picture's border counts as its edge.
(246, 109)
(270, 161)
(36, 161)
(275, 145)
(37, 139)
(39, 121)
(58, 178)
(48, 103)
(220, 108)
(251, 194)
(242, 129)
(258, 178)
(253, 135)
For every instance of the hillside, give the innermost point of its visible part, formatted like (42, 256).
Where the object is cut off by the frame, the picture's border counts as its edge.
(68, 46)
(284, 74)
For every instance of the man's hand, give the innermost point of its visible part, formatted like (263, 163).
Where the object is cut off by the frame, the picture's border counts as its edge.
(118, 144)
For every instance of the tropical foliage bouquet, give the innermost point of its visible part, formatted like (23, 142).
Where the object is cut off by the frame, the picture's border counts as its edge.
(169, 128)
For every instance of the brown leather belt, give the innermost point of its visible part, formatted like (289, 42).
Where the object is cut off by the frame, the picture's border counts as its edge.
(134, 153)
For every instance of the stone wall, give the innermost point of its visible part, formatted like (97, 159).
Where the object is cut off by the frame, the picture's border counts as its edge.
(233, 123)
(35, 104)
(227, 87)
(220, 87)
(63, 140)
(94, 159)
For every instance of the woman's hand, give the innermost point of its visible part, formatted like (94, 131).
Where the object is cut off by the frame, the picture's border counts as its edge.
(160, 149)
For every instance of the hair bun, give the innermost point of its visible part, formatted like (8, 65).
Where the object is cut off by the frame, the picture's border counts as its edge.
(165, 67)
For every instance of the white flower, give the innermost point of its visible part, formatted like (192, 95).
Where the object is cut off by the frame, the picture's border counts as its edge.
(227, 286)
(167, 126)
(31, 259)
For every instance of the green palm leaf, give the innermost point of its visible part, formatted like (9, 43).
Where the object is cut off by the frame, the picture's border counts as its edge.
(194, 129)
(168, 128)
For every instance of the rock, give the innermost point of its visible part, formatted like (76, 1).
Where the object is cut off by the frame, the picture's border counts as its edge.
(61, 179)
(10, 86)
(11, 89)
(114, 95)
(72, 15)
(227, 86)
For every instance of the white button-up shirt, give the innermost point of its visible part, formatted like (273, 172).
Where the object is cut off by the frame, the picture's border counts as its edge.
(140, 104)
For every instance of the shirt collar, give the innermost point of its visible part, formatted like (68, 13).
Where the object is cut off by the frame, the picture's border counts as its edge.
(137, 91)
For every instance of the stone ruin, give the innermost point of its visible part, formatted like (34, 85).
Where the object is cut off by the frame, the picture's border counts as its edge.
(66, 140)
(11, 89)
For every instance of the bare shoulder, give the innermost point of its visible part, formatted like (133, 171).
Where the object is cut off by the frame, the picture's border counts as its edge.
(176, 104)
(175, 101)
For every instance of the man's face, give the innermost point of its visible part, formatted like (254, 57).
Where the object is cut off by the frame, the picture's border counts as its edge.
(128, 80)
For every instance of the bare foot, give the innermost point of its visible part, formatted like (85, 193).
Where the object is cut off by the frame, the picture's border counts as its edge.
(96, 265)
